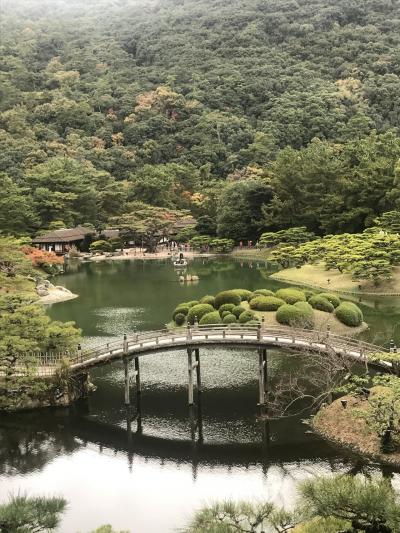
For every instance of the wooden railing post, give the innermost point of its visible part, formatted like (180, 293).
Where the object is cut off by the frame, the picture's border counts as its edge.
(80, 359)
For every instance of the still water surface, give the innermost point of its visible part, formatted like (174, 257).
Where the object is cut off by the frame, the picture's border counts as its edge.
(151, 480)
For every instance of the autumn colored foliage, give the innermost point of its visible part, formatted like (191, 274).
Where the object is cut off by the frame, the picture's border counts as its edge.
(42, 257)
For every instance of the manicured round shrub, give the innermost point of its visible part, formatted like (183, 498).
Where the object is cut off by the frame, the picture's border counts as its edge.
(211, 318)
(305, 307)
(181, 309)
(333, 298)
(198, 311)
(227, 297)
(224, 314)
(226, 307)
(243, 293)
(246, 317)
(307, 320)
(191, 303)
(263, 292)
(321, 303)
(291, 296)
(349, 314)
(238, 310)
(208, 299)
(180, 319)
(229, 319)
(293, 315)
(266, 303)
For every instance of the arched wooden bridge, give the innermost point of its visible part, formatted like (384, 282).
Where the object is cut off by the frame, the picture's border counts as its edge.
(261, 336)
(193, 338)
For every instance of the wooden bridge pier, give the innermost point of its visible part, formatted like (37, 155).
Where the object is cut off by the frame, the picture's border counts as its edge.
(195, 412)
(262, 380)
(127, 395)
(193, 366)
(198, 374)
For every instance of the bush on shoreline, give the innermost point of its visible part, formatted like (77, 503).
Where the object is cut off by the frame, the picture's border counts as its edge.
(349, 314)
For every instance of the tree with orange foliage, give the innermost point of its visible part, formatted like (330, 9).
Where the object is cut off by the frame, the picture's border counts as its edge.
(47, 261)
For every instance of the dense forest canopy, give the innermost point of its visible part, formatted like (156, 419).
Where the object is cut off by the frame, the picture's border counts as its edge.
(289, 108)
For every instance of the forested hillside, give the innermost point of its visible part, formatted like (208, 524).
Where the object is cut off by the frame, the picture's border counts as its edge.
(252, 114)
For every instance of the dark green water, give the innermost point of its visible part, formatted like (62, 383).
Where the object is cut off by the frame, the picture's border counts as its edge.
(151, 481)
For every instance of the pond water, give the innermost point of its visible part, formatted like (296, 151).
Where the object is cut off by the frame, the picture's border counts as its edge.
(152, 478)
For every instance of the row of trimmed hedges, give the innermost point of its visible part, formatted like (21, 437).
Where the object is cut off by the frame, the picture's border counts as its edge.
(292, 306)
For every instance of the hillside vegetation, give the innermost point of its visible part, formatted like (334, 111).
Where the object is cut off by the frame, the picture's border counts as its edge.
(282, 111)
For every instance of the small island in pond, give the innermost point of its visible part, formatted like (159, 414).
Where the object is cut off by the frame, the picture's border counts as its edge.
(287, 307)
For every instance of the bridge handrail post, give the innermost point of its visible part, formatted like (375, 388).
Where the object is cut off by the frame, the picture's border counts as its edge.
(125, 345)
(189, 332)
(259, 332)
(79, 354)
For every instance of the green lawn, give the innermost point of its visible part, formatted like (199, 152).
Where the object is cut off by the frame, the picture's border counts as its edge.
(316, 276)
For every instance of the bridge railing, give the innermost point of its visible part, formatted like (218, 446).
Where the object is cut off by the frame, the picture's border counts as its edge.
(257, 332)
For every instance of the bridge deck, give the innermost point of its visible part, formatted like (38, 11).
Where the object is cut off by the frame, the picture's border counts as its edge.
(253, 336)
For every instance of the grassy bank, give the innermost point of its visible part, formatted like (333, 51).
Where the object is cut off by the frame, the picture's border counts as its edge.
(317, 277)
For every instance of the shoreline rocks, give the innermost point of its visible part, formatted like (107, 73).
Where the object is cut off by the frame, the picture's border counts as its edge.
(50, 294)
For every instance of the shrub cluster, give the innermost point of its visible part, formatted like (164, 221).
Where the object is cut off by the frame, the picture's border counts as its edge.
(299, 314)
(266, 303)
(180, 319)
(238, 310)
(332, 298)
(227, 297)
(182, 309)
(307, 321)
(243, 293)
(263, 292)
(229, 319)
(226, 307)
(291, 296)
(208, 299)
(292, 306)
(321, 303)
(246, 316)
(211, 318)
(198, 310)
(349, 314)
